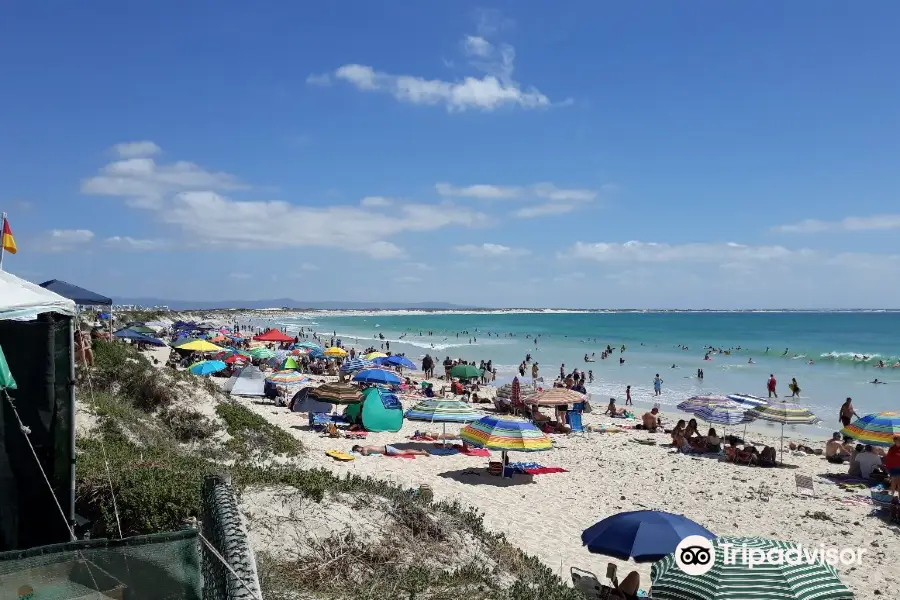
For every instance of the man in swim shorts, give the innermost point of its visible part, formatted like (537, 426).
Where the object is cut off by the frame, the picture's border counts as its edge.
(388, 451)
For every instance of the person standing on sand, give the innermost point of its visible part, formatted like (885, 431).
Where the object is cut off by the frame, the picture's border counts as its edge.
(657, 385)
(892, 465)
(770, 385)
(628, 401)
(847, 413)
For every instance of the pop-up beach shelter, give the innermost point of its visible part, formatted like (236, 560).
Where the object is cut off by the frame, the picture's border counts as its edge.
(249, 382)
(76, 294)
(381, 411)
(37, 337)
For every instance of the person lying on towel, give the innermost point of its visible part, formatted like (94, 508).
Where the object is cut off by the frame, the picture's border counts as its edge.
(387, 451)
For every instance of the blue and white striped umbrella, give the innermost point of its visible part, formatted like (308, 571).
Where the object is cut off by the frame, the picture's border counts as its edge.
(356, 364)
(747, 399)
(731, 413)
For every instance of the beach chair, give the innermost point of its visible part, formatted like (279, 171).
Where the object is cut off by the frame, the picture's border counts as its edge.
(588, 584)
(575, 423)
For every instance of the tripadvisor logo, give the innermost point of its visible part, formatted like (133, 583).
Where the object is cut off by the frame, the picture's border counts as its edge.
(695, 555)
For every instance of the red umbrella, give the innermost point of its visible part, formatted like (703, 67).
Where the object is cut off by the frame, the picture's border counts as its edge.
(273, 335)
(234, 358)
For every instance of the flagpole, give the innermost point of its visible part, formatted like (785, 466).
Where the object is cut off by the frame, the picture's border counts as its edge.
(2, 227)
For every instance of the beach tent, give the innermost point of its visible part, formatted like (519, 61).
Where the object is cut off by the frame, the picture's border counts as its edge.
(76, 294)
(273, 335)
(381, 411)
(249, 382)
(37, 337)
(304, 402)
(130, 334)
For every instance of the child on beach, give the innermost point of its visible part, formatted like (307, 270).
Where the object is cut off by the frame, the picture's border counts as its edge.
(628, 401)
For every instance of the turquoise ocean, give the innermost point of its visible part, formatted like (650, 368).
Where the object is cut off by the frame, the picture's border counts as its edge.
(844, 347)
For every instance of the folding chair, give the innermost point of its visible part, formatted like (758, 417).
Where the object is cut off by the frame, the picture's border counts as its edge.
(575, 424)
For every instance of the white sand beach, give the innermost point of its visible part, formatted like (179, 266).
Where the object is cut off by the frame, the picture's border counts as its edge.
(609, 473)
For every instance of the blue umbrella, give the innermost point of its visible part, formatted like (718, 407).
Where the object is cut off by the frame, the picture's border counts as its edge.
(377, 376)
(207, 367)
(356, 364)
(400, 361)
(644, 535)
(130, 334)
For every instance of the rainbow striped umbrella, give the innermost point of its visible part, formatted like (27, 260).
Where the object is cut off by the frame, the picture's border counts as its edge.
(262, 353)
(286, 378)
(877, 429)
(505, 433)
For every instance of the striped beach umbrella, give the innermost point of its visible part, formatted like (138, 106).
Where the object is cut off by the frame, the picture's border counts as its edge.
(736, 580)
(786, 413)
(877, 429)
(747, 399)
(695, 403)
(337, 393)
(262, 353)
(730, 413)
(286, 378)
(307, 346)
(505, 391)
(356, 364)
(443, 411)
(555, 397)
(505, 433)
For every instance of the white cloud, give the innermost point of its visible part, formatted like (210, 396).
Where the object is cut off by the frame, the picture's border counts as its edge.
(374, 201)
(875, 223)
(475, 45)
(650, 252)
(543, 210)
(384, 250)
(130, 243)
(488, 250)
(65, 240)
(549, 191)
(136, 149)
(323, 79)
(480, 191)
(145, 183)
(494, 89)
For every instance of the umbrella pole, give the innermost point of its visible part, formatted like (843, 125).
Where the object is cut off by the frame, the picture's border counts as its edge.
(782, 443)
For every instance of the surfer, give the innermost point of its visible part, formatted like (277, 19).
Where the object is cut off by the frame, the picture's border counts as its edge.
(876, 382)
(785, 352)
(750, 362)
(794, 387)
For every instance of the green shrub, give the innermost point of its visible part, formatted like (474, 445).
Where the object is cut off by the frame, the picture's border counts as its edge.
(188, 425)
(254, 436)
(120, 368)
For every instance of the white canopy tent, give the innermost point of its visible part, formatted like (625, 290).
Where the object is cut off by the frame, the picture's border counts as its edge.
(23, 300)
(249, 382)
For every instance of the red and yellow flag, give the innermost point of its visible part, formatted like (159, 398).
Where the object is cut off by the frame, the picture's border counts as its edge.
(7, 241)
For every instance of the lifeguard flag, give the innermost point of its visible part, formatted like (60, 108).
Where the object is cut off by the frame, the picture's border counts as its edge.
(7, 241)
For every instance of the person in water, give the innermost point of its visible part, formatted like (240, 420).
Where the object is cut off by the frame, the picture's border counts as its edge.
(795, 389)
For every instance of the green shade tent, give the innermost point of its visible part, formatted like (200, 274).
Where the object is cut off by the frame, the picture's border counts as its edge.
(465, 372)
(289, 363)
(6, 379)
(381, 411)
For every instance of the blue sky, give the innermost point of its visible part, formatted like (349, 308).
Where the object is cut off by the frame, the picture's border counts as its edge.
(700, 154)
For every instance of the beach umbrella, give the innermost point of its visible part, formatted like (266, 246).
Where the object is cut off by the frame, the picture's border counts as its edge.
(877, 429)
(398, 361)
(785, 413)
(747, 399)
(198, 346)
(555, 397)
(736, 580)
(436, 410)
(286, 378)
(307, 345)
(374, 355)
(207, 367)
(505, 391)
(730, 413)
(335, 352)
(262, 353)
(642, 535)
(233, 358)
(316, 353)
(377, 376)
(142, 329)
(496, 432)
(129, 334)
(695, 403)
(466, 372)
(356, 364)
(337, 393)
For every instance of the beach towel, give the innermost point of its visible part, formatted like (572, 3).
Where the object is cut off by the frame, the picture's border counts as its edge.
(856, 501)
(545, 470)
(474, 451)
(409, 456)
(443, 451)
(849, 482)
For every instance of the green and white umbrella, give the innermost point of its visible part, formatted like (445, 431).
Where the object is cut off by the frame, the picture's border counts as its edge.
(808, 580)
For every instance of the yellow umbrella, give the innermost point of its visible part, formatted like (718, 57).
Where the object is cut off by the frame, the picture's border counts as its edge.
(374, 355)
(335, 351)
(199, 346)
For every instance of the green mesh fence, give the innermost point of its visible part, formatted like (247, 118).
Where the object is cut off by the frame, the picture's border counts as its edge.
(152, 567)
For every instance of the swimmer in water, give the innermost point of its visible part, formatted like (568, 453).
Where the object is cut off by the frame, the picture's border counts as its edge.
(750, 362)
(785, 352)
(876, 382)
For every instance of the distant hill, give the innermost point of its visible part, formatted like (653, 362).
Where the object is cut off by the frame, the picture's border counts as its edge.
(284, 302)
